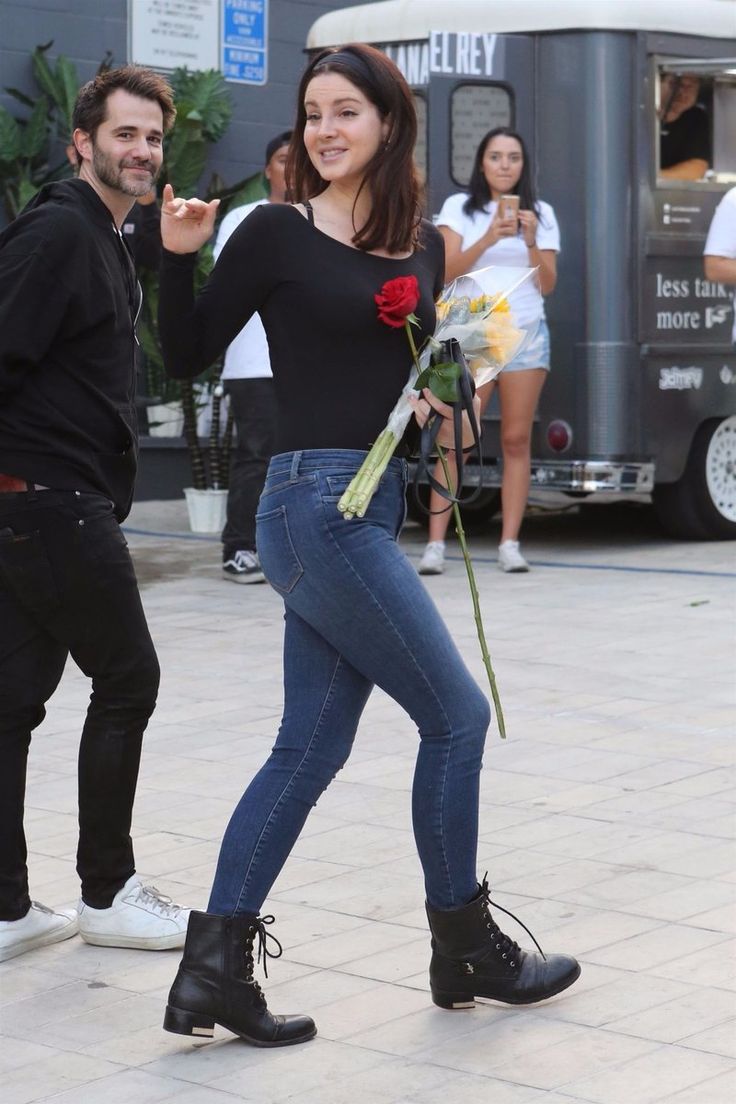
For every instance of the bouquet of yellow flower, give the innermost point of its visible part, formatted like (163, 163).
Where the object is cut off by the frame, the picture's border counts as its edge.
(472, 310)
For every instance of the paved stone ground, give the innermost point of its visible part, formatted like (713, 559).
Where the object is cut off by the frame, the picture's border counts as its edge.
(607, 823)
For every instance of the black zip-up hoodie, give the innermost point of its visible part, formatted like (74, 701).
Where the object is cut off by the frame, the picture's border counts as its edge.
(68, 302)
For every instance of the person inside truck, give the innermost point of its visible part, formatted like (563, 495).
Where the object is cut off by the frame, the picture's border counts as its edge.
(481, 229)
(684, 128)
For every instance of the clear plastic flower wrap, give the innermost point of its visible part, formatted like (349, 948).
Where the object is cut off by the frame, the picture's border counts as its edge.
(477, 310)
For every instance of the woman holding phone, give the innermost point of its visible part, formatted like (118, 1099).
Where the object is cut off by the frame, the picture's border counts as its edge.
(500, 221)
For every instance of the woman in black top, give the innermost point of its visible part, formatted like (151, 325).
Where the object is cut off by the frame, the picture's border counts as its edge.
(356, 613)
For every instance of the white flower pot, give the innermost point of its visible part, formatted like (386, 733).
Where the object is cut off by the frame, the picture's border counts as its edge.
(207, 509)
(165, 420)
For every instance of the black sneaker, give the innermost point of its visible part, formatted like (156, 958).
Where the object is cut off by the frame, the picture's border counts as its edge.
(243, 567)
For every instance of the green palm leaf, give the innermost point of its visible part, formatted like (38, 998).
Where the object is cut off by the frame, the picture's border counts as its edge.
(67, 81)
(11, 138)
(35, 131)
(45, 76)
(206, 93)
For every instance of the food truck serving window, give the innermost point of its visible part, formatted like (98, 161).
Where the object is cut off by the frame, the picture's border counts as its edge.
(474, 110)
(696, 120)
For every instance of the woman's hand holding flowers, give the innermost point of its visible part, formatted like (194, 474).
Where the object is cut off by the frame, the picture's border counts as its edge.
(423, 407)
(186, 224)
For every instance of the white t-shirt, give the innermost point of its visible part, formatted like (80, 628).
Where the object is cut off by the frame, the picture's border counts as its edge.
(526, 303)
(721, 240)
(247, 356)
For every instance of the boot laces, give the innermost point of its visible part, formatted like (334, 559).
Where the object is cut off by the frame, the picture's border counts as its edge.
(504, 943)
(257, 932)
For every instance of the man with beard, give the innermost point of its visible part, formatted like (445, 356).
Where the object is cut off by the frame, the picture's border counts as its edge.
(69, 299)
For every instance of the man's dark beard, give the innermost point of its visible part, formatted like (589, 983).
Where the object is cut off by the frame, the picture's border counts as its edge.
(110, 172)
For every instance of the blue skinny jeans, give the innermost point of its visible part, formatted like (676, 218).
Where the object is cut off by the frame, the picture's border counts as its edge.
(357, 615)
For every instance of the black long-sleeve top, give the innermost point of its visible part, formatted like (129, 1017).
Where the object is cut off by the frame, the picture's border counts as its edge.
(68, 301)
(338, 370)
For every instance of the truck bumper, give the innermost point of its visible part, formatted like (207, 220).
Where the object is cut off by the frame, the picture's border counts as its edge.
(593, 475)
(584, 476)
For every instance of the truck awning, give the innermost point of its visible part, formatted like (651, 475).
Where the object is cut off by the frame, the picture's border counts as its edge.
(403, 20)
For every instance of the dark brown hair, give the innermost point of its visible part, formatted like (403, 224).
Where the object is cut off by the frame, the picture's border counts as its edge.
(479, 194)
(393, 223)
(90, 109)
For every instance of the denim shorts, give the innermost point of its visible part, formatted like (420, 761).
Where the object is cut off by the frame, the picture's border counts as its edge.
(534, 354)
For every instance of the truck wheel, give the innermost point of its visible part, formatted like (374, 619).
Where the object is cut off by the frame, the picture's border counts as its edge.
(476, 515)
(701, 505)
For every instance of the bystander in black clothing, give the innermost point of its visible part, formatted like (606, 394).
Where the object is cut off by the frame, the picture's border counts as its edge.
(68, 447)
(68, 301)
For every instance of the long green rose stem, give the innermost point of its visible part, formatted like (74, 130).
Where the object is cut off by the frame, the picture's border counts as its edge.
(474, 595)
(469, 569)
(410, 335)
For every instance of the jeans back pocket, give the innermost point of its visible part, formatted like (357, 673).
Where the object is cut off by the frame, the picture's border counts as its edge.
(276, 551)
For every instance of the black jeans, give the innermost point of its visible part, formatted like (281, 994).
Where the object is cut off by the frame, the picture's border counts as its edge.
(67, 586)
(254, 409)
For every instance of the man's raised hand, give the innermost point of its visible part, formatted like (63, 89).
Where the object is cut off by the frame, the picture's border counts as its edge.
(186, 224)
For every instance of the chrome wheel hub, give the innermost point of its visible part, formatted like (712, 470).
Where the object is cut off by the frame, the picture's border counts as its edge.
(720, 468)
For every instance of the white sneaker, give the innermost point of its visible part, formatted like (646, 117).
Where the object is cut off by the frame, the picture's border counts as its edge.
(433, 560)
(510, 558)
(39, 927)
(138, 917)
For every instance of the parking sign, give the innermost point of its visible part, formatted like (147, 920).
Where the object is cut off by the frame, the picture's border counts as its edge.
(245, 41)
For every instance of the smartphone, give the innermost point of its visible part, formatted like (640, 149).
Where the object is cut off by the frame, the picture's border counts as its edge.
(509, 205)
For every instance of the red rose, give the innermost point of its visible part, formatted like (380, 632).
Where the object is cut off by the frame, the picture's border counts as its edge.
(397, 299)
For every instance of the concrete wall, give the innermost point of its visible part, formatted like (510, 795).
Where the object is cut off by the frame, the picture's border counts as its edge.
(84, 30)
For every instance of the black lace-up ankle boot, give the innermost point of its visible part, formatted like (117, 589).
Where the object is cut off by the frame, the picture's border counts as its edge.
(215, 983)
(471, 957)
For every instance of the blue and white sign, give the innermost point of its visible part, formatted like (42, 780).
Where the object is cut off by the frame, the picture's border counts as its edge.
(245, 41)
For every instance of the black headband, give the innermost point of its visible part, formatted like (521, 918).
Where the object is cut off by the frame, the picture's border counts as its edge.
(350, 61)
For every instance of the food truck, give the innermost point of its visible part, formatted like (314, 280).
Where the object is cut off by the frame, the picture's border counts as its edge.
(641, 398)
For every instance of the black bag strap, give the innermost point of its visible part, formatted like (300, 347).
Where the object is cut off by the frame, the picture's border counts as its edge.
(310, 212)
(450, 351)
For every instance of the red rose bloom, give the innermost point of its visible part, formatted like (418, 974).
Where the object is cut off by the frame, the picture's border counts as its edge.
(397, 299)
